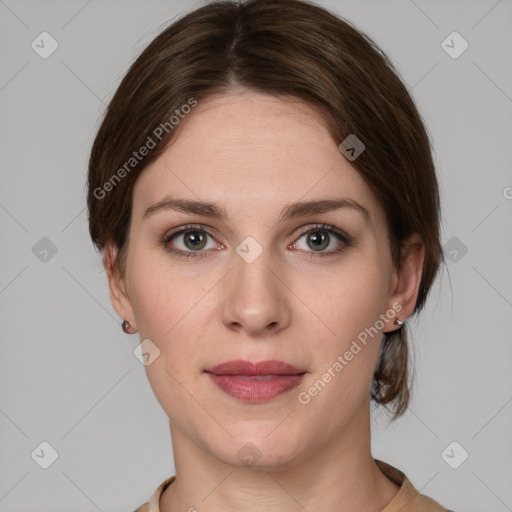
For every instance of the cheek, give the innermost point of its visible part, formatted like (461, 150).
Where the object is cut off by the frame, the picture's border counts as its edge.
(157, 292)
(343, 361)
(173, 310)
(170, 312)
(161, 307)
(347, 300)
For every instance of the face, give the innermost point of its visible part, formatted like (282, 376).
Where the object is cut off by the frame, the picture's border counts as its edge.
(296, 285)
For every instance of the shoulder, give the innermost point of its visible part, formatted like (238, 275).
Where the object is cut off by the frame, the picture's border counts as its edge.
(408, 499)
(153, 505)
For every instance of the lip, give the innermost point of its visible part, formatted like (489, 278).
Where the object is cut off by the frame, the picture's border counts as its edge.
(255, 382)
(242, 367)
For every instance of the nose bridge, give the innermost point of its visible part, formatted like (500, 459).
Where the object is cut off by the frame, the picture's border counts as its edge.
(255, 297)
(252, 266)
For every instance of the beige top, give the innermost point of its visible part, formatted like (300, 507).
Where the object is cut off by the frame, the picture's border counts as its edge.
(408, 499)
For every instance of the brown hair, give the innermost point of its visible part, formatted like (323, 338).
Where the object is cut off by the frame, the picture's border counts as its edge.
(285, 48)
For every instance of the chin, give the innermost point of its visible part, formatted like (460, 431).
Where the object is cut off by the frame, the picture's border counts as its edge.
(259, 454)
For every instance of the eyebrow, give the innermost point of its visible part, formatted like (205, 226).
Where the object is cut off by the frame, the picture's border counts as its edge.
(290, 211)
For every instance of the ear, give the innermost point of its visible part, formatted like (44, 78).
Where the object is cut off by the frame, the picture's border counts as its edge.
(118, 295)
(406, 282)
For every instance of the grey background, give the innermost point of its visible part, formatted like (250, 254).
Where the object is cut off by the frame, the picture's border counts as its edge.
(68, 375)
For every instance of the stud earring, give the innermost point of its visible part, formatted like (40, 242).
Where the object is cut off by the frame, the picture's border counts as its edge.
(125, 326)
(399, 323)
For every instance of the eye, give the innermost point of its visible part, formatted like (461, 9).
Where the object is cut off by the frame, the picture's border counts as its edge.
(322, 236)
(192, 241)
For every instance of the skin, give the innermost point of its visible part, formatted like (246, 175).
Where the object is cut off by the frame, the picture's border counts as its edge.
(255, 153)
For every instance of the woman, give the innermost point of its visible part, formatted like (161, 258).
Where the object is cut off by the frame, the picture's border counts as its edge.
(263, 191)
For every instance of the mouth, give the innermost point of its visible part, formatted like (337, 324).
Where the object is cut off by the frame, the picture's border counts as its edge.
(255, 382)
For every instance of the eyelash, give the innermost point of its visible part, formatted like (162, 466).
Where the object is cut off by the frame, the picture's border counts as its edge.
(342, 237)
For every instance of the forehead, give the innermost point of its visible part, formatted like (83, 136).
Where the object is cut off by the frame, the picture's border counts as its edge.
(251, 151)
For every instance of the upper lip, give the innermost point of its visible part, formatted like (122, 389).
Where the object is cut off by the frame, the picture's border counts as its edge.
(242, 367)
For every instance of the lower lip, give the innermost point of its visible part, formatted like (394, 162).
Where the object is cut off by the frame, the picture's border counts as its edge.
(249, 389)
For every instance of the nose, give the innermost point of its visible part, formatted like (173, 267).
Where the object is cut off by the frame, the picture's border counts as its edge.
(255, 297)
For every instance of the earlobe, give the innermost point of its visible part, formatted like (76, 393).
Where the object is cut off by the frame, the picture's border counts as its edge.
(406, 282)
(118, 295)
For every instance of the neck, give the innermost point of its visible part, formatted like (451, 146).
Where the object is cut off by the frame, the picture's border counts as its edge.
(339, 474)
